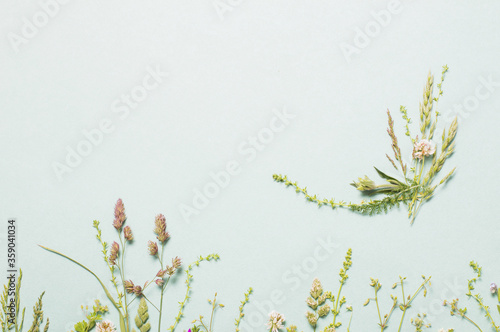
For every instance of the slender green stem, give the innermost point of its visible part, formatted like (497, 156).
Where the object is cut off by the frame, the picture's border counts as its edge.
(471, 321)
(337, 309)
(122, 275)
(163, 287)
(201, 321)
(378, 310)
(151, 302)
(407, 304)
(108, 294)
(350, 320)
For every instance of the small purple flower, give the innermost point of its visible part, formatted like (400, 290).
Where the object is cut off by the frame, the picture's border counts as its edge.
(493, 288)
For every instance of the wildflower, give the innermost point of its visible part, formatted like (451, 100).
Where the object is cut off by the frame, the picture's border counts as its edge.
(129, 286)
(153, 248)
(423, 148)
(115, 247)
(276, 321)
(176, 262)
(105, 326)
(127, 233)
(161, 228)
(119, 215)
(159, 282)
(493, 288)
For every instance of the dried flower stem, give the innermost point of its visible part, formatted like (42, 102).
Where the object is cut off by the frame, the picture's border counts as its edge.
(189, 279)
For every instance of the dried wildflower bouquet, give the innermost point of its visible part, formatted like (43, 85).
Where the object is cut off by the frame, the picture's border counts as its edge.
(124, 292)
(321, 303)
(455, 310)
(415, 183)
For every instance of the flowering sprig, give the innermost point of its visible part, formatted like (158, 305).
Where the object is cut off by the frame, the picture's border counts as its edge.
(189, 279)
(419, 322)
(276, 321)
(415, 185)
(323, 302)
(207, 327)
(10, 308)
(114, 258)
(318, 300)
(92, 317)
(241, 307)
(455, 310)
(403, 306)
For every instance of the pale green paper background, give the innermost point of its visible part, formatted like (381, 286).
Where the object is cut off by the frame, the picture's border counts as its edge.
(226, 75)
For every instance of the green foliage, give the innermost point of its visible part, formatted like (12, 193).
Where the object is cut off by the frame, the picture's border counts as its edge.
(322, 303)
(91, 317)
(8, 323)
(38, 317)
(208, 326)
(455, 310)
(415, 185)
(113, 257)
(242, 306)
(419, 323)
(403, 305)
